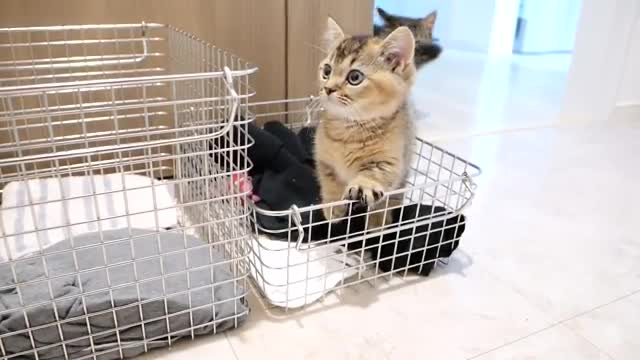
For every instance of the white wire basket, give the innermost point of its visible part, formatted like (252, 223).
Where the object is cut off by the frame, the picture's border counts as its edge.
(122, 225)
(297, 264)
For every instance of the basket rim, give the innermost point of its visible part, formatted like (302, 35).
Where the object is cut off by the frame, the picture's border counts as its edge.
(33, 89)
(477, 171)
(83, 27)
(59, 155)
(11, 91)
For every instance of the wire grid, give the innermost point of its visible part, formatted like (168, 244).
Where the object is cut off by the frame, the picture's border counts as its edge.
(127, 99)
(437, 178)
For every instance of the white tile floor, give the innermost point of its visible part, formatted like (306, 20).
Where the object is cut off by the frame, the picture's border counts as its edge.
(467, 94)
(549, 267)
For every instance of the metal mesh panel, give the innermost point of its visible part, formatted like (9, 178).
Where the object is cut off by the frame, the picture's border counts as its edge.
(123, 110)
(438, 180)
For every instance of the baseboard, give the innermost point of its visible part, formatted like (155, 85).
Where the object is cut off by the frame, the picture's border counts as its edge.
(626, 112)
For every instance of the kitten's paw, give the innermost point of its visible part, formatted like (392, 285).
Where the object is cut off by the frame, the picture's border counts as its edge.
(367, 192)
(334, 213)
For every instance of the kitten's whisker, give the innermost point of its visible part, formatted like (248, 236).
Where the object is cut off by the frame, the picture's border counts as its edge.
(316, 47)
(344, 100)
(314, 105)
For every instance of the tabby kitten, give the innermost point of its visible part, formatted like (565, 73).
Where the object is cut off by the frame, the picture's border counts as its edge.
(422, 29)
(365, 138)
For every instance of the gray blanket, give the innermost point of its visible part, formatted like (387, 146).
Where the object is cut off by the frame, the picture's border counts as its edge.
(144, 286)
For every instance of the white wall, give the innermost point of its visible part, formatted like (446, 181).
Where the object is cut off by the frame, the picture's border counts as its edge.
(503, 29)
(629, 92)
(550, 25)
(604, 70)
(470, 24)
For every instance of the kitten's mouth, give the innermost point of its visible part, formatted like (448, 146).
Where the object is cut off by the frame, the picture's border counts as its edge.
(341, 101)
(332, 105)
(328, 100)
(338, 109)
(332, 102)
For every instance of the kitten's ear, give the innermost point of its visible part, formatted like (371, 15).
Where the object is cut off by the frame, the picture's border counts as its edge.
(333, 35)
(429, 21)
(398, 48)
(386, 17)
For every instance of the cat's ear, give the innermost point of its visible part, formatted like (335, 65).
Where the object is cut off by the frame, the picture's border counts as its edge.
(398, 48)
(333, 34)
(386, 17)
(429, 21)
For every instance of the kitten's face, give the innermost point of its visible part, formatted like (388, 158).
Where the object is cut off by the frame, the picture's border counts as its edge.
(366, 77)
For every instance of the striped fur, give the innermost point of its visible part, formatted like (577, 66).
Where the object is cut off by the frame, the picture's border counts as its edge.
(365, 139)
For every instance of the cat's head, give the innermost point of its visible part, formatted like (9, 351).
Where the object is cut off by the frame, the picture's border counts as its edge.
(422, 28)
(365, 77)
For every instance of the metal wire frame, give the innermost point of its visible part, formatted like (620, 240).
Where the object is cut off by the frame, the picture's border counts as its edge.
(144, 99)
(437, 178)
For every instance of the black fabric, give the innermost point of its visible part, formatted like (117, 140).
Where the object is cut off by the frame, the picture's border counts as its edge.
(307, 137)
(262, 155)
(291, 142)
(416, 248)
(283, 175)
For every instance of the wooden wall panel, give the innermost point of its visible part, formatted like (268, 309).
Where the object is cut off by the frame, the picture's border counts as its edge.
(307, 21)
(254, 30)
(279, 36)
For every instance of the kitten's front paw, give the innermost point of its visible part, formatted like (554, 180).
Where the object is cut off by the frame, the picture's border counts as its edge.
(367, 192)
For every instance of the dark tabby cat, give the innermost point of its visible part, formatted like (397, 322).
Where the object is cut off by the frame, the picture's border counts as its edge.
(422, 29)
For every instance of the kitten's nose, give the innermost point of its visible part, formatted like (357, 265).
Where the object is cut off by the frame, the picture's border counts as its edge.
(329, 90)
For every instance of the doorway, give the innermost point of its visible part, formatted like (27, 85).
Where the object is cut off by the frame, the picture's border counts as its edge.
(504, 63)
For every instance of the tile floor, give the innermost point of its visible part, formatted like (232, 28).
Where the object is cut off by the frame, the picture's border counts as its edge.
(463, 94)
(549, 267)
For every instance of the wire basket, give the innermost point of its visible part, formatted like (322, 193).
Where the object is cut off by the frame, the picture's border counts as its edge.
(122, 225)
(295, 265)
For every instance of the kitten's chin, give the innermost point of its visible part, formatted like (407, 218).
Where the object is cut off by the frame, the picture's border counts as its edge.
(357, 111)
(336, 110)
(339, 111)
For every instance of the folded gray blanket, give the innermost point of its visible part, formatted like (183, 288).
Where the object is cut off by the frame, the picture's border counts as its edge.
(135, 289)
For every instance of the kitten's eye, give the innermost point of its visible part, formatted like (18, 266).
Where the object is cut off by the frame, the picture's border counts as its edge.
(355, 77)
(326, 71)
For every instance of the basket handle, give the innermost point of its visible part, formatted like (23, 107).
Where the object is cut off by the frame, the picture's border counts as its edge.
(234, 101)
(311, 107)
(297, 220)
(467, 181)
